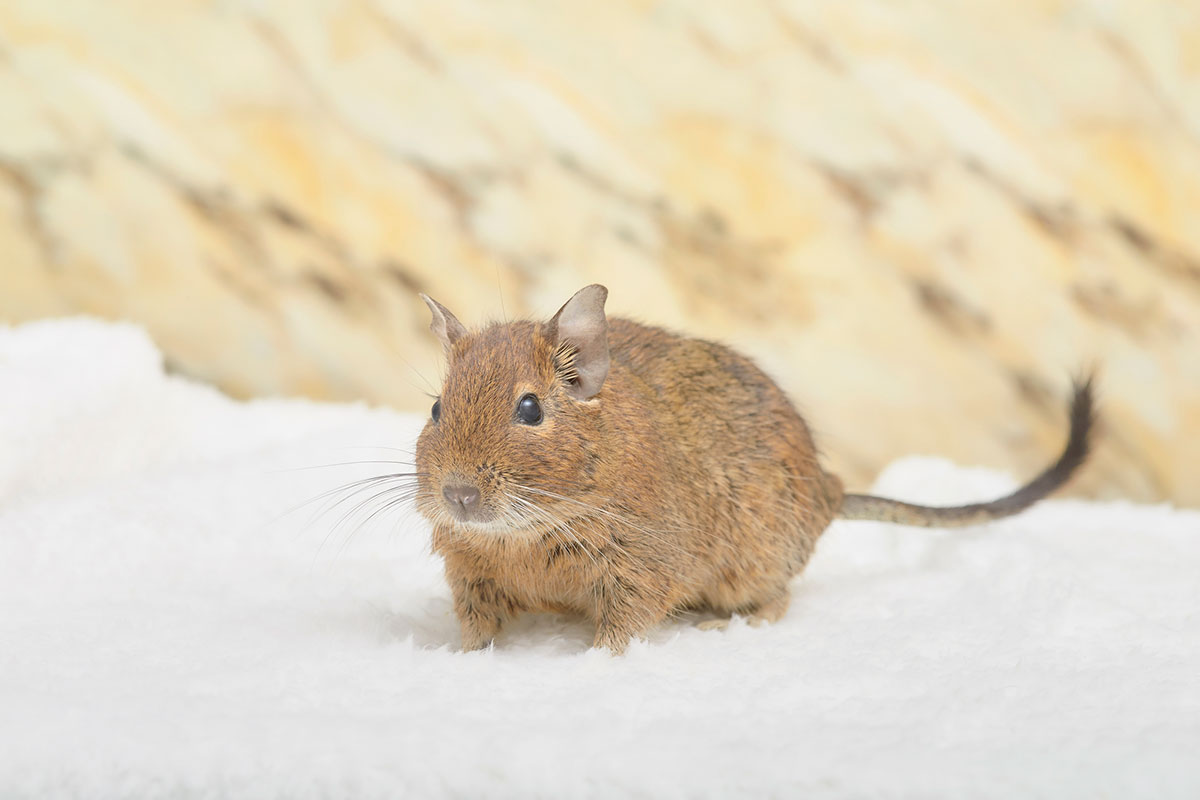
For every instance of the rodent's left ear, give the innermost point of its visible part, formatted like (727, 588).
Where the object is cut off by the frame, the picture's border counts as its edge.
(581, 324)
(444, 324)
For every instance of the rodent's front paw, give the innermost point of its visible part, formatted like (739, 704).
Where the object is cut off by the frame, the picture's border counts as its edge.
(475, 637)
(476, 643)
(613, 641)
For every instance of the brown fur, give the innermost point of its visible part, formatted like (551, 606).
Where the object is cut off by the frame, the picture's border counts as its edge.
(717, 507)
(688, 482)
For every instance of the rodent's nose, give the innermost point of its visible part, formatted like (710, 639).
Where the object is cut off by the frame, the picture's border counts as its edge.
(465, 497)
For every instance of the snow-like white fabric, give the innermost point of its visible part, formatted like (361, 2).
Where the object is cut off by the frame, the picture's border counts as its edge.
(166, 629)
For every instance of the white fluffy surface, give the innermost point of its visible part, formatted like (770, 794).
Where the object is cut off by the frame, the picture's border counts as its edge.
(164, 633)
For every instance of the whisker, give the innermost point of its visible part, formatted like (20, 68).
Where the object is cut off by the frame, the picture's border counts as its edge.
(376, 447)
(358, 486)
(395, 497)
(391, 490)
(401, 498)
(336, 489)
(558, 525)
(544, 516)
(656, 536)
(348, 464)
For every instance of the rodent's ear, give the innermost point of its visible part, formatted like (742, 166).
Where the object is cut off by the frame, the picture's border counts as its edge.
(444, 324)
(581, 324)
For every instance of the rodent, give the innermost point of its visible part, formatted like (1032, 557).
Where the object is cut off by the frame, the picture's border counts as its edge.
(618, 471)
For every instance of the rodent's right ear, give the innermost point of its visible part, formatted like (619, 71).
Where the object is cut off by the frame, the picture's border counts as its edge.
(582, 324)
(444, 324)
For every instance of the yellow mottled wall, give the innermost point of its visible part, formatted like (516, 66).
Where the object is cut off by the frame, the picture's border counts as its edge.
(919, 216)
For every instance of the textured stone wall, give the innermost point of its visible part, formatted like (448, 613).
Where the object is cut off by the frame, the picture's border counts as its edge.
(919, 216)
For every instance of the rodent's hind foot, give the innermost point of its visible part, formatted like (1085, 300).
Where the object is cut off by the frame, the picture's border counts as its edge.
(718, 624)
(612, 640)
(756, 615)
(770, 611)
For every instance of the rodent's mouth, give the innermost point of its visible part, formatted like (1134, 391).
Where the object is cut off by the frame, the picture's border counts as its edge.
(486, 526)
(476, 517)
(471, 518)
(494, 524)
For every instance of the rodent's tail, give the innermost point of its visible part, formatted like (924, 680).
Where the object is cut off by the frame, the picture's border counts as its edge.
(1083, 415)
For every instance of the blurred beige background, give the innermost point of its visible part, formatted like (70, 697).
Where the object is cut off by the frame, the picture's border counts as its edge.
(920, 217)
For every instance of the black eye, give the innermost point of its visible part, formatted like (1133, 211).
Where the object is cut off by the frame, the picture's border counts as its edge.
(436, 412)
(528, 410)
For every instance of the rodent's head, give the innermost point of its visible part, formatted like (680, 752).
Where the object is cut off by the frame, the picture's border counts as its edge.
(511, 438)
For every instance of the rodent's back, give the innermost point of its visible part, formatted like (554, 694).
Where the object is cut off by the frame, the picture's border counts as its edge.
(742, 475)
(712, 392)
(714, 398)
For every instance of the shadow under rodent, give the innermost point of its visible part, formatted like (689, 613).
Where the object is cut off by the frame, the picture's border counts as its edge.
(615, 470)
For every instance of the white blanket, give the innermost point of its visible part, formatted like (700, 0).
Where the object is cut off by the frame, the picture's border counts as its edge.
(165, 632)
